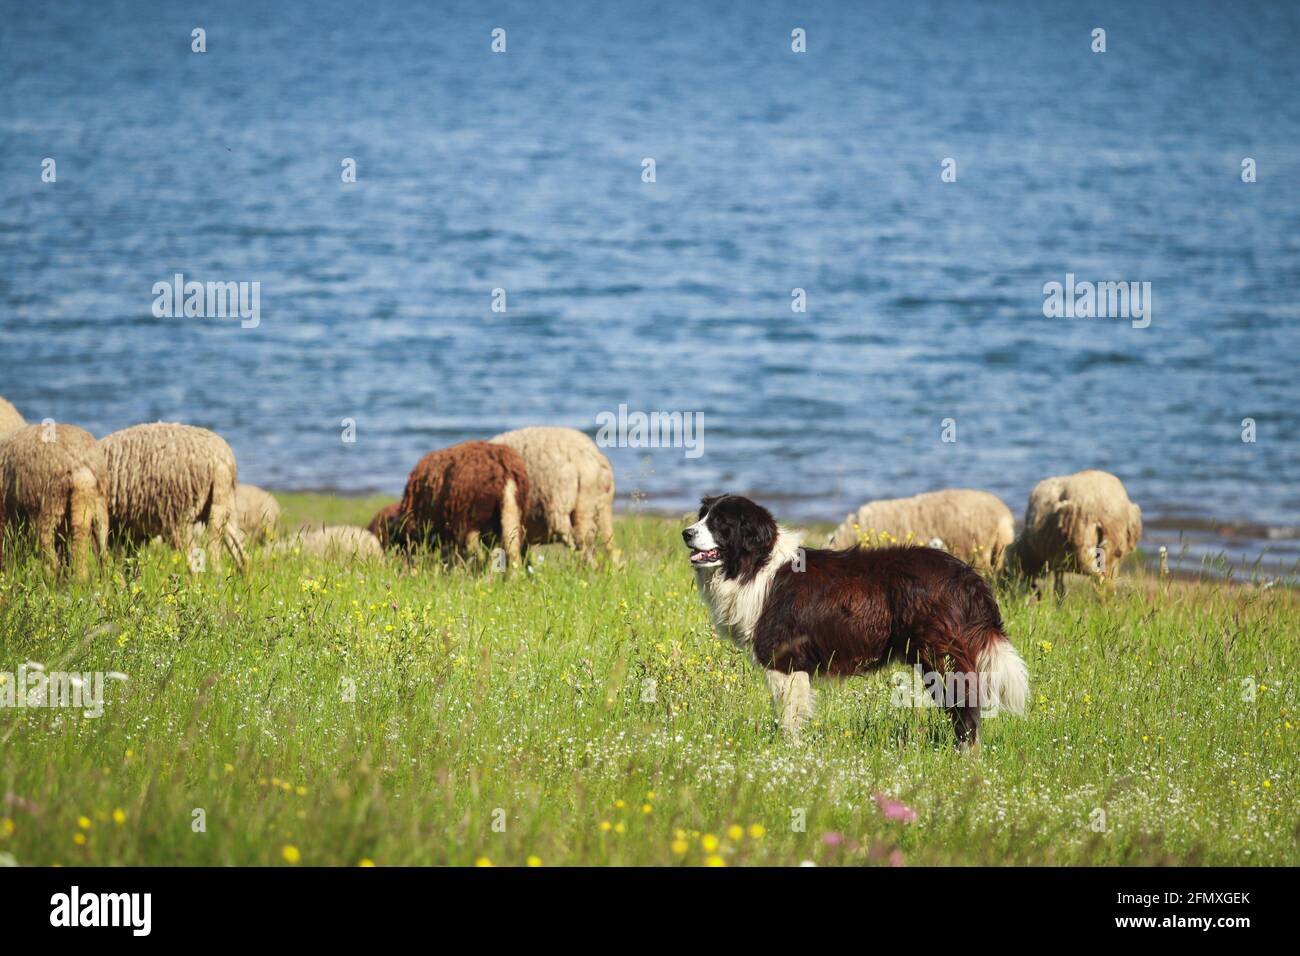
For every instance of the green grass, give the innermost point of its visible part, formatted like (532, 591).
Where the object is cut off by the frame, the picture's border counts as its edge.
(503, 718)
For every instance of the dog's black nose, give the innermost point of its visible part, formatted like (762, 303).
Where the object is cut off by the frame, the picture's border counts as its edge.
(687, 534)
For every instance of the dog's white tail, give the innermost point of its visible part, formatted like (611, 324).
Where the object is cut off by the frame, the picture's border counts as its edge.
(1004, 676)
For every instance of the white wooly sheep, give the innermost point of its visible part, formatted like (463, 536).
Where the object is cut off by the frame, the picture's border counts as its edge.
(974, 525)
(570, 487)
(1083, 523)
(10, 418)
(337, 541)
(173, 480)
(259, 513)
(54, 479)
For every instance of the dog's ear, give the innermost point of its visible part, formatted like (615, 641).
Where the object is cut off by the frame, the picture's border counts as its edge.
(707, 503)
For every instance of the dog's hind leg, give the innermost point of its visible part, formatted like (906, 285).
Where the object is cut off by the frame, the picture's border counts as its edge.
(793, 698)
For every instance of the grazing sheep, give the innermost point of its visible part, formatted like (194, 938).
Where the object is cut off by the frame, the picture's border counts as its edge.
(466, 494)
(54, 479)
(973, 525)
(166, 479)
(333, 541)
(387, 527)
(10, 418)
(1083, 522)
(259, 513)
(571, 488)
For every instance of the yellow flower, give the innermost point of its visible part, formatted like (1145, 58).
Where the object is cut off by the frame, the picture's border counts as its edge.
(534, 861)
(605, 826)
(646, 808)
(79, 839)
(756, 831)
(366, 862)
(83, 822)
(620, 827)
(482, 861)
(709, 842)
(715, 860)
(736, 832)
(230, 768)
(1267, 783)
(119, 816)
(300, 790)
(291, 854)
(619, 804)
(680, 847)
(7, 827)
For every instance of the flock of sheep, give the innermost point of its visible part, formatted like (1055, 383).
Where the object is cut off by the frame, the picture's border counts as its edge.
(180, 483)
(536, 485)
(1082, 523)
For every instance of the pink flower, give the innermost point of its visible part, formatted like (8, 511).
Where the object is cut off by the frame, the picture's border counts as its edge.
(831, 838)
(896, 858)
(894, 809)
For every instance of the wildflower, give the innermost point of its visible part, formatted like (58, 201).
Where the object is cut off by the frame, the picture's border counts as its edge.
(79, 839)
(119, 816)
(619, 804)
(715, 860)
(736, 832)
(605, 826)
(290, 853)
(620, 827)
(482, 861)
(680, 846)
(756, 831)
(83, 822)
(709, 842)
(7, 827)
(646, 808)
(534, 861)
(832, 838)
(366, 862)
(894, 810)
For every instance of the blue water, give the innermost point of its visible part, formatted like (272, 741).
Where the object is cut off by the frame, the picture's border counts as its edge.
(774, 171)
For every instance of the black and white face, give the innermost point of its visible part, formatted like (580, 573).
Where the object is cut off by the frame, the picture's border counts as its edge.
(704, 548)
(732, 533)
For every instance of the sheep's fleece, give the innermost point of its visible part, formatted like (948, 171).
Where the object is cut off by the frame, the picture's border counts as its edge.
(973, 525)
(167, 479)
(259, 513)
(1083, 522)
(333, 540)
(54, 480)
(571, 487)
(10, 418)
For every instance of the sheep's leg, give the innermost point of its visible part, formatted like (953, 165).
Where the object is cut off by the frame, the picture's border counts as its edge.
(512, 529)
(82, 511)
(47, 524)
(583, 536)
(605, 526)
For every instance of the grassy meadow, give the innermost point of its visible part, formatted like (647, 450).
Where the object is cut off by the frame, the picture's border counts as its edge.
(333, 713)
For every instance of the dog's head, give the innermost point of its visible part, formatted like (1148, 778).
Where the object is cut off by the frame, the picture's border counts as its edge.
(733, 534)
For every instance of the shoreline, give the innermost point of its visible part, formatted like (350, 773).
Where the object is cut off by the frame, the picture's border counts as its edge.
(1197, 549)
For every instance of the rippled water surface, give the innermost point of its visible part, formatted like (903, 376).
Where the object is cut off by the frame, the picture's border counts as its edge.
(774, 171)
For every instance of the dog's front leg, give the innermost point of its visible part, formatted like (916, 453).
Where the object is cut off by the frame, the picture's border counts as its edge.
(792, 697)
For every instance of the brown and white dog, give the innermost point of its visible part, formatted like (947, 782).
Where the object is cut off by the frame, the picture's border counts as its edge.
(803, 611)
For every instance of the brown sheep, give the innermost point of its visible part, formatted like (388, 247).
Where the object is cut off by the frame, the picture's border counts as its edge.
(259, 513)
(466, 494)
(571, 488)
(387, 527)
(1083, 522)
(10, 418)
(973, 525)
(54, 479)
(168, 479)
